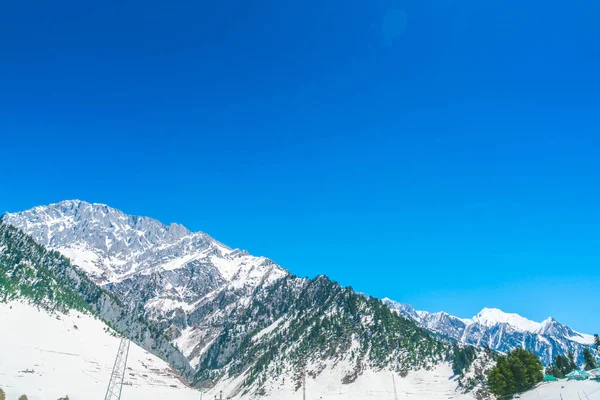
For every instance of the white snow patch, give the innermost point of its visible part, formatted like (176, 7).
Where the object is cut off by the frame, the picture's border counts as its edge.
(84, 258)
(49, 356)
(434, 384)
(268, 329)
(179, 262)
(583, 338)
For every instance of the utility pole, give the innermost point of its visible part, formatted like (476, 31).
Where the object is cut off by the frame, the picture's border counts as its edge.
(395, 392)
(304, 385)
(115, 385)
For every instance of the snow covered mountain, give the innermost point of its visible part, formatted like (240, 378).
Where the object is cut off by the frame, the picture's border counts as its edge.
(167, 267)
(244, 324)
(502, 331)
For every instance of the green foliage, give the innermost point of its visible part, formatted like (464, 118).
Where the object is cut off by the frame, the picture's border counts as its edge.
(462, 358)
(518, 371)
(555, 371)
(27, 270)
(590, 361)
(23, 397)
(314, 321)
(2, 394)
(500, 378)
(597, 341)
(562, 366)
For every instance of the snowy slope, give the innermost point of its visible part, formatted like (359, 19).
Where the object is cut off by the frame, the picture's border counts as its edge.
(49, 356)
(431, 384)
(502, 331)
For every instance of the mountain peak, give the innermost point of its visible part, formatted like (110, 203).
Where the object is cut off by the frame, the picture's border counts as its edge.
(549, 320)
(493, 316)
(77, 210)
(113, 246)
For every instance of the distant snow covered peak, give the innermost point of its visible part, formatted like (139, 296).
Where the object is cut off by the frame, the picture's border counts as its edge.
(501, 331)
(493, 316)
(403, 309)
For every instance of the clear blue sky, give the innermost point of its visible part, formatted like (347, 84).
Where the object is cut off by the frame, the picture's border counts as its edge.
(441, 153)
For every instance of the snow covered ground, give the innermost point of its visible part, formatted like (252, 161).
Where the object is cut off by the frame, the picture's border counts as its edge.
(573, 390)
(419, 385)
(49, 356)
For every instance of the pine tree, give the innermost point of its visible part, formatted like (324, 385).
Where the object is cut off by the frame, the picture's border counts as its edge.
(590, 362)
(518, 371)
(23, 397)
(2, 394)
(597, 341)
(572, 363)
(500, 379)
(555, 372)
(462, 359)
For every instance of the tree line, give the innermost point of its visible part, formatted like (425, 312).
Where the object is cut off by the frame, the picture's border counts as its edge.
(564, 365)
(520, 370)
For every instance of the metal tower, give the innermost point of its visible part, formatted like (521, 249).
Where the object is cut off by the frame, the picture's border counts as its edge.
(115, 386)
(304, 385)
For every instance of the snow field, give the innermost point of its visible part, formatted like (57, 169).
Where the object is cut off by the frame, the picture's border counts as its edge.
(49, 356)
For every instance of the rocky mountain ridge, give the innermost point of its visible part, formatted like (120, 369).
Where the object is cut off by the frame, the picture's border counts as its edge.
(502, 331)
(168, 267)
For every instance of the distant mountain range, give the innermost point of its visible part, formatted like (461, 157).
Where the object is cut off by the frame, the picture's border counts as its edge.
(243, 324)
(502, 331)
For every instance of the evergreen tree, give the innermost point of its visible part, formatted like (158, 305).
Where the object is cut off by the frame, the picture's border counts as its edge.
(23, 397)
(555, 371)
(597, 341)
(500, 379)
(518, 371)
(2, 394)
(462, 358)
(590, 362)
(572, 363)
(564, 365)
